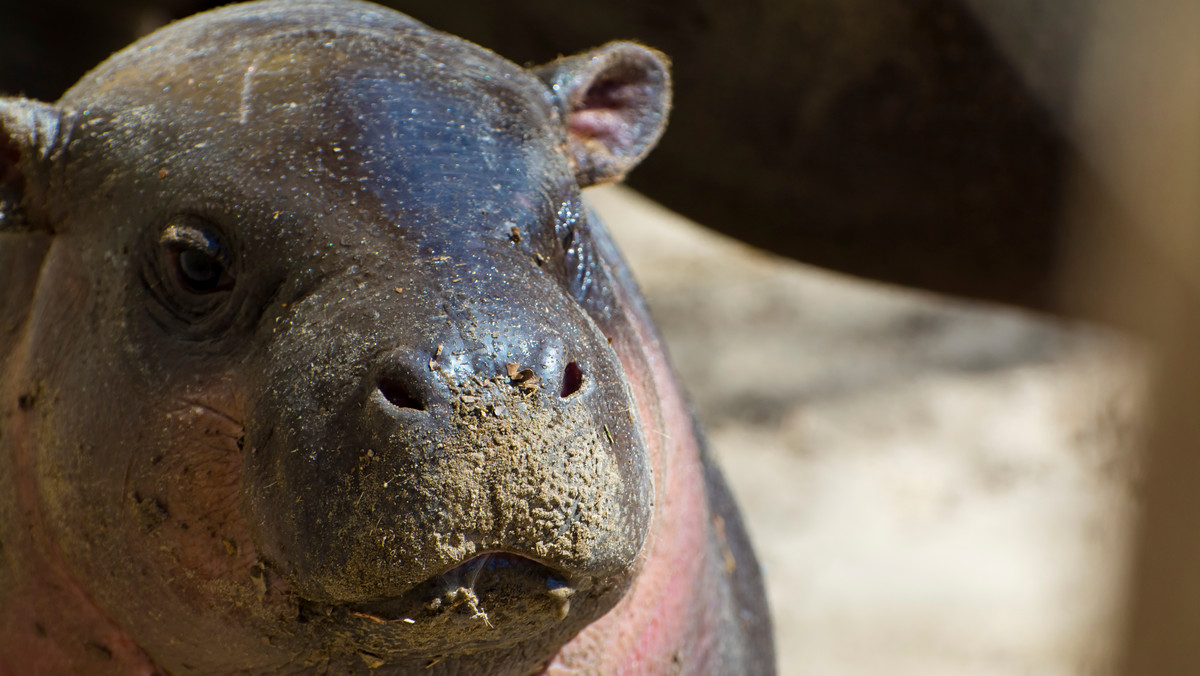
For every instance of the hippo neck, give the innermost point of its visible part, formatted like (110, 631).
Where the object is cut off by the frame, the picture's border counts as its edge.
(48, 623)
(676, 618)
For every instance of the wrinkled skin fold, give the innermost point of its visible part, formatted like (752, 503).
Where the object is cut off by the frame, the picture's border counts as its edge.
(315, 361)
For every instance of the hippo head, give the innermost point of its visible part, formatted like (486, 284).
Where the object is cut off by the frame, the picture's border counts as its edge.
(316, 369)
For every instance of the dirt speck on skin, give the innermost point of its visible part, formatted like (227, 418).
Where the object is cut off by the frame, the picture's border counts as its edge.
(151, 512)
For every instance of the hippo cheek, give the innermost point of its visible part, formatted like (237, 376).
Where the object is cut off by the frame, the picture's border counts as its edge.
(185, 503)
(436, 501)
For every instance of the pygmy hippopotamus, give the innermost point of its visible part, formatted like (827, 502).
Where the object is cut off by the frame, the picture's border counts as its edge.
(314, 360)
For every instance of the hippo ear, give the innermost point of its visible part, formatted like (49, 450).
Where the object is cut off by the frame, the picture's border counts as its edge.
(614, 102)
(29, 132)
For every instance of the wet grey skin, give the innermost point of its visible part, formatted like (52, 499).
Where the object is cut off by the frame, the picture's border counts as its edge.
(318, 371)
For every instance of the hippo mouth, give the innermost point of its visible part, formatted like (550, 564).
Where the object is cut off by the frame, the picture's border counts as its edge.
(501, 581)
(493, 599)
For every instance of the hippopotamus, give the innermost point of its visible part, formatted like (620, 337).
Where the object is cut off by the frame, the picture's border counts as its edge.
(313, 359)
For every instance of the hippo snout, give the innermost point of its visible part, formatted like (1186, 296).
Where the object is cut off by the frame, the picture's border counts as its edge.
(483, 478)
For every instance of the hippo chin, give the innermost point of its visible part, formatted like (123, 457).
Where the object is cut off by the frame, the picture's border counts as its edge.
(315, 361)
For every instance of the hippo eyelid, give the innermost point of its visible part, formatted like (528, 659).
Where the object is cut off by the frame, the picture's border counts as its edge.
(198, 260)
(195, 233)
(180, 235)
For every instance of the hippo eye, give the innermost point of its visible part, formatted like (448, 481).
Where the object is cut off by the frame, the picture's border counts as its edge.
(197, 258)
(200, 270)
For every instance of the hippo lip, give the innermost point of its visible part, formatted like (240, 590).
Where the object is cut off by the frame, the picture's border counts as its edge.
(496, 600)
(486, 588)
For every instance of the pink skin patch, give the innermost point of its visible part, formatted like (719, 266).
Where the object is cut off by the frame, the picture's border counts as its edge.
(606, 125)
(194, 487)
(50, 624)
(662, 623)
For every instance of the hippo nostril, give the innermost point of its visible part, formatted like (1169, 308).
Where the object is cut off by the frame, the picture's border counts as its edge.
(572, 380)
(399, 394)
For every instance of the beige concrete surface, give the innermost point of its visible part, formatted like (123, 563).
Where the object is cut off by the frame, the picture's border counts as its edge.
(933, 487)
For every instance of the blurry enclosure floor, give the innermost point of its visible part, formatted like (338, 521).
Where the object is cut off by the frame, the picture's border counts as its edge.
(934, 487)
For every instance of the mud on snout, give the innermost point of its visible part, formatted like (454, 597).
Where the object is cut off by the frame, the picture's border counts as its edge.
(444, 510)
